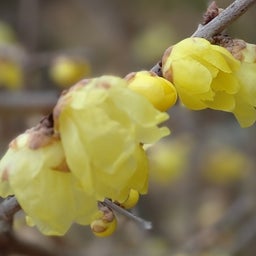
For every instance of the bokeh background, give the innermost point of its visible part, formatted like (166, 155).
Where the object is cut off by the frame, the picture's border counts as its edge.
(201, 198)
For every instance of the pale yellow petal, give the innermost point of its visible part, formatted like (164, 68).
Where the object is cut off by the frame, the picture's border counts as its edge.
(191, 75)
(222, 101)
(226, 82)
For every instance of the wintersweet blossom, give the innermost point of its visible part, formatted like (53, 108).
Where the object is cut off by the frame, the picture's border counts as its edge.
(103, 125)
(35, 171)
(246, 97)
(203, 74)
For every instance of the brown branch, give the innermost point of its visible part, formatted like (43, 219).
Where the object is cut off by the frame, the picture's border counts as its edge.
(7, 209)
(224, 19)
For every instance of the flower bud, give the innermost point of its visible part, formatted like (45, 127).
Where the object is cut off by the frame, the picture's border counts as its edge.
(159, 91)
(105, 223)
(132, 199)
(65, 71)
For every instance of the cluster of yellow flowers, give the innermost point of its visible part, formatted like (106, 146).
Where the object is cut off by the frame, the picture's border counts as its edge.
(211, 76)
(92, 145)
(89, 149)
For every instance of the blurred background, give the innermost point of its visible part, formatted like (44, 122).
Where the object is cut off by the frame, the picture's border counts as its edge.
(201, 198)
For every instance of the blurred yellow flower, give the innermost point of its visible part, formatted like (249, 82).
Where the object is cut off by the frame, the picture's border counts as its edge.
(203, 74)
(102, 124)
(11, 74)
(65, 70)
(159, 91)
(225, 165)
(169, 159)
(35, 171)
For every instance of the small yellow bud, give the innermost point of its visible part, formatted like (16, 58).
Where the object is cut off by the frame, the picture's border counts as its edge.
(66, 71)
(160, 92)
(11, 74)
(105, 224)
(132, 199)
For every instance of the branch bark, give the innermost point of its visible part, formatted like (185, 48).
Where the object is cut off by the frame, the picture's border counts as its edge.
(224, 19)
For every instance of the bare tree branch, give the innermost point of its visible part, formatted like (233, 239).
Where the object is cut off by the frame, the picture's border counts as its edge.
(224, 19)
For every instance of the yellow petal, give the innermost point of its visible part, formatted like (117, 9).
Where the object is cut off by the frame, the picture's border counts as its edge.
(192, 76)
(160, 92)
(247, 77)
(244, 112)
(222, 101)
(226, 82)
(191, 101)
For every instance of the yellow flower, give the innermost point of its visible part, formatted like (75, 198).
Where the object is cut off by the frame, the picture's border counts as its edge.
(246, 97)
(35, 171)
(225, 165)
(11, 74)
(203, 74)
(169, 160)
(102, 124)
(159, 91)
(66, 71)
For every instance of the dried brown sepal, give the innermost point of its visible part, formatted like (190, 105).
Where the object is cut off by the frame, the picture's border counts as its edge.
(212, 11)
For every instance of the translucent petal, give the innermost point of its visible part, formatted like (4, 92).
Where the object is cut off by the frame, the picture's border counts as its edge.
(191, 46)
(222, 101)
(226, 82)
(145, 120)
(244, 112)
(247, 77)
(213, 56)
(192, 76)
(76, 153)
(233, 63)
(51, 200)
(191, 101)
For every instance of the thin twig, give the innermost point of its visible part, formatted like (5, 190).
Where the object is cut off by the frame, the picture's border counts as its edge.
(9, 206)
(224, 19)
(144, 223)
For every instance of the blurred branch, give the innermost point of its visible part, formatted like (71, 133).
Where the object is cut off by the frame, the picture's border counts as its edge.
(245, 235)
(27, 101)
(7, 209)
(28, 23)
(237, 211)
